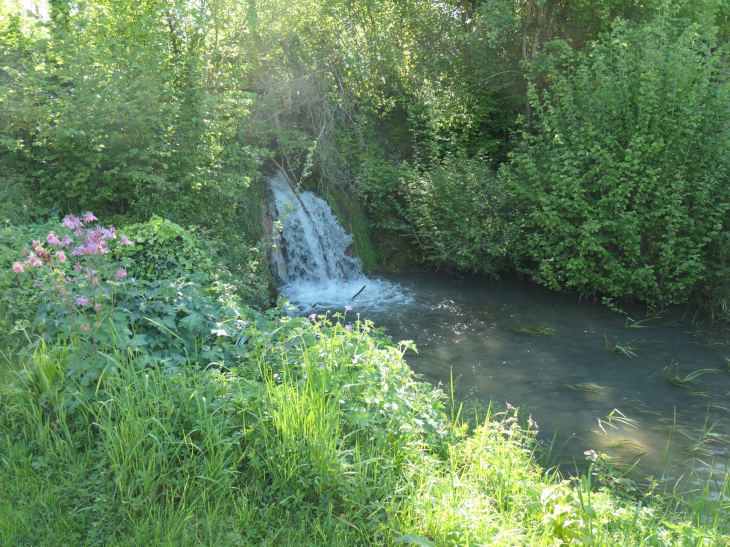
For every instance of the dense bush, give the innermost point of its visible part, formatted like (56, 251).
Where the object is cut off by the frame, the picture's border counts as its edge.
(461, 214)
(165, 251)
(73, 283)
(625, 173)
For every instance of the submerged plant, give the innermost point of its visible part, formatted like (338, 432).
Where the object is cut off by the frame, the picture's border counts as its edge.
(673, 376)
(642, 407)
(591, 387)
(627, 445)
(651, 314)
(623, 348)
(531, 330)
(619, 417)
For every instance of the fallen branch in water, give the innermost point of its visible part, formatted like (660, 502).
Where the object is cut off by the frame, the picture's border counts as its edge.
(358, 292)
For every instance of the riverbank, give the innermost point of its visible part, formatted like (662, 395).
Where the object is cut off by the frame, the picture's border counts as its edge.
(320, 436)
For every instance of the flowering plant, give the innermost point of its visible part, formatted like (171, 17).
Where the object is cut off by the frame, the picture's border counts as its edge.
(85, 293)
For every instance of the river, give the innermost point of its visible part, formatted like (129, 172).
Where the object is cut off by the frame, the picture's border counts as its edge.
(594, 378)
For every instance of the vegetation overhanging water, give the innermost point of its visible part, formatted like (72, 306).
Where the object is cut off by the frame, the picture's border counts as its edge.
(647, 386)
(162, 398)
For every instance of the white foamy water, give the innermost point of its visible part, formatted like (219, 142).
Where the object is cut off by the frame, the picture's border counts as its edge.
(314, 270)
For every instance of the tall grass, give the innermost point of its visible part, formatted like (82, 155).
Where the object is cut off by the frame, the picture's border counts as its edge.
(322, 437)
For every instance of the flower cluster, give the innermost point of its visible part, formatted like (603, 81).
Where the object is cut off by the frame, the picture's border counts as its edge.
(94, 243)
(94, 284)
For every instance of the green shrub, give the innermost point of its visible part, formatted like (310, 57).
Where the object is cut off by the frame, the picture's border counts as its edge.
(16, 207)
(461, 214)
(164, 250)
(183, 321)
(625, 173)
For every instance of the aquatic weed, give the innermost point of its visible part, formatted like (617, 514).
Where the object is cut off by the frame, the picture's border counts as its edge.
(623, 348)
(673, 376)
(531, 330)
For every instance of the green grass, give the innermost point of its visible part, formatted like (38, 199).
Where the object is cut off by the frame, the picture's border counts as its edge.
(626, 348)
(321, 438)
(673, 376)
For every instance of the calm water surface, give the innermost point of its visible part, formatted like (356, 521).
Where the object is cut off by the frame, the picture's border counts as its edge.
(464, 328)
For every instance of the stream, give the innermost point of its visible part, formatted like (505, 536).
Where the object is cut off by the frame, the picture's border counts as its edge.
(570, 379)
(595, 376)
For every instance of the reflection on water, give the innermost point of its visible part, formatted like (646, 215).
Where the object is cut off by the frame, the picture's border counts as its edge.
(569, 379)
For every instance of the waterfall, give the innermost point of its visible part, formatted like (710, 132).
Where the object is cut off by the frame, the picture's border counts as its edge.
(312, 262)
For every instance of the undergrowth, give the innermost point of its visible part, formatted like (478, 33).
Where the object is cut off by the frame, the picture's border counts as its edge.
(321, 436)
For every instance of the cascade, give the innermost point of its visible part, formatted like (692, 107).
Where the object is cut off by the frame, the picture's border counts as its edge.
(311, 262)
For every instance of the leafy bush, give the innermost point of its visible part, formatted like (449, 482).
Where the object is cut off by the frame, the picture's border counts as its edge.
(461, 214)
(93, 304)
(164, 250)
(179, 322)
(73, 133)
(249, 278)
(625, 174)
(16, 206)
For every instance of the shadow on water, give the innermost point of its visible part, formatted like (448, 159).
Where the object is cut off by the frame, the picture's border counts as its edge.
(575, 366)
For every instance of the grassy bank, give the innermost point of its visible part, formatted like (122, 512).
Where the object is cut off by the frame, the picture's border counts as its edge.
(143, 403)
(320, 436)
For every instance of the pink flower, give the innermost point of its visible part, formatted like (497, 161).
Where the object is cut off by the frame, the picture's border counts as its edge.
(97, 307)
(95, 281)
(110, 233)
(34, 261)
(74, 280)
(53, 239)
(36, 244)
(89, 217)
(348, 326)
(348, 308)
(120, 273)
(125, 241)
(66, 240)
(85, 326)
(78, 267)
(79, 232)
(83, 301)
(18, 267)
(69, 221)
(72, 223)
(60, 255)
(25, 251)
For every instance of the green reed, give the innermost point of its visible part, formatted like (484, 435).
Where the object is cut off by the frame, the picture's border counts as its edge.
(626, 348)
(673, 376)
